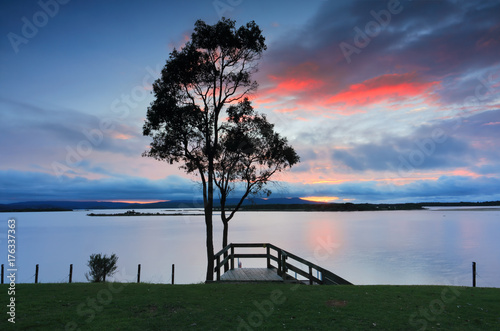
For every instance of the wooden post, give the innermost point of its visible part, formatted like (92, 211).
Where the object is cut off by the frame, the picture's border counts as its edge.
(36, 274)
(279, 263)
(139, 273)
(217, 267)
(232, 256)
(173, 272)
(283, 265)
(268, 252)
(2, 273)
(310, 275)
(473, 274)
(70, 273)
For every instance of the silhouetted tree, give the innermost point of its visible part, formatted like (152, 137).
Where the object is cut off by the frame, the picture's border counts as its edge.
(212, 69)
(250, 153)
(101, 266)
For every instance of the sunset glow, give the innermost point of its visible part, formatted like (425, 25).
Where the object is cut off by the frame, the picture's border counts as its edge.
(320, 199)
(138, 201)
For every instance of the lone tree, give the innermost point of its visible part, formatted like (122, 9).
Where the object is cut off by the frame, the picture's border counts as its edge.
(251, 152)
(212, 71)
(101, 266)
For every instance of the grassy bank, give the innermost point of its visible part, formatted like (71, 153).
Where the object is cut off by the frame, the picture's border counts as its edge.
(117, 306)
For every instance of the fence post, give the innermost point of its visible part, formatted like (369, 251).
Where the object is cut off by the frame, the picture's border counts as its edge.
(310, 275)
(70, 273)
(218, 267)
(279, 263)
(268, 252)
(173, 271)
(283, 265)
(36, 274)
(232, 257)
(2, 273)
(139, 273)
(473, 274)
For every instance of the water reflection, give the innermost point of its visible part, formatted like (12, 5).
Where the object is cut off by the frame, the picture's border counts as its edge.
(325, 238)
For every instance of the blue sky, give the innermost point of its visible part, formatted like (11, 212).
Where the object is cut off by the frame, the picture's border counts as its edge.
(390, 101)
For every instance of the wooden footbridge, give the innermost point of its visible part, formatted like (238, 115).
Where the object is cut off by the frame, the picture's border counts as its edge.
(281, 265)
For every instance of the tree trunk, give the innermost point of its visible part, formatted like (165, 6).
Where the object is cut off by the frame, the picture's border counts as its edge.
(209, 243)
(209, 203)
(224, 241)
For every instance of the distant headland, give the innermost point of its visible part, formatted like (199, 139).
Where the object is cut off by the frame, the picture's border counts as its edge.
(256, 204)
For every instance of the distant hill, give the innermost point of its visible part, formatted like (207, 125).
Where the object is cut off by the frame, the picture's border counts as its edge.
(71, 205)
(249, 204)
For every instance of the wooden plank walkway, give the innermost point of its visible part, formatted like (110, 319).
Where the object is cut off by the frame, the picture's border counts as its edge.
(251, 275)
(286, 263)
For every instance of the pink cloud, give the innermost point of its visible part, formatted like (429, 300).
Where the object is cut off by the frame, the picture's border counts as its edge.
(299, 79)
(306, 88)
(385, 88)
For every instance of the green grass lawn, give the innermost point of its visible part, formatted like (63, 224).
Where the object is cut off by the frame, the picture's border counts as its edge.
(120, 306)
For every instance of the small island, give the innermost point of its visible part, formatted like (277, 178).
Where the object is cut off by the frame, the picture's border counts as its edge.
(135, 213)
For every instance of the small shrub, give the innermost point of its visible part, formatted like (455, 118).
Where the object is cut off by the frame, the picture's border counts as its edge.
(101, 266)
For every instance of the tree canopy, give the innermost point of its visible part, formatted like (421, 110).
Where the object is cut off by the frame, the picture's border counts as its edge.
(211, 70)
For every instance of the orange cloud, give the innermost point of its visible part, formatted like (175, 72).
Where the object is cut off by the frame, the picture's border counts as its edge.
(286, 110)
(319, 199)
(122, 136)
(464, 173)
(337, 181)
(306, 88)
(136, 201)
(385, 88)
(294, 85)
(288, 85)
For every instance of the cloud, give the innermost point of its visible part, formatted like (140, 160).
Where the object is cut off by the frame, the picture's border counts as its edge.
(34, 136)
(390, 88)
(410, 153)
(445, 188)
(446, 144)
(297, 80)
(457, 146)
(450, 44)
(31, 186)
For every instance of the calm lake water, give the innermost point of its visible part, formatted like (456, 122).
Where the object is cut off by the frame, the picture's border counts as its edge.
(435, 246)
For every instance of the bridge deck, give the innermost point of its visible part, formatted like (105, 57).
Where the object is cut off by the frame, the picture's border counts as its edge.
(251, 275)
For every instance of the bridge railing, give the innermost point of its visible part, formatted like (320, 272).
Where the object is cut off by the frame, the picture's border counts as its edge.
(279, 259)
